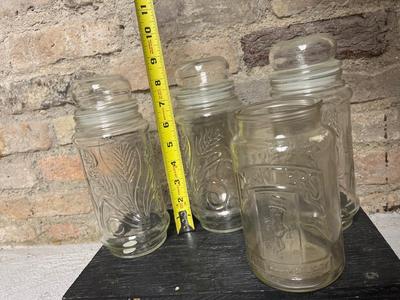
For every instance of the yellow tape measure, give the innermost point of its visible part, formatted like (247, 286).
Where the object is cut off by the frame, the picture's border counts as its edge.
(163, 110)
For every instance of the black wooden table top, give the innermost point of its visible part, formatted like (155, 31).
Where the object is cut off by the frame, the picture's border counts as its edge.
(204, 265)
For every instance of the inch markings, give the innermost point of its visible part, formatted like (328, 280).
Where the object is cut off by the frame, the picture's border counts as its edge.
(165, 120)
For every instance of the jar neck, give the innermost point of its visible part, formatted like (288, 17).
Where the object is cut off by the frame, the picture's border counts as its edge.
(108, 120)
(206, 100)
(277, 120)
(307, 79)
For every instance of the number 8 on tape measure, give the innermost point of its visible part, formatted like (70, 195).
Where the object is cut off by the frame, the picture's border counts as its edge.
(158, 83)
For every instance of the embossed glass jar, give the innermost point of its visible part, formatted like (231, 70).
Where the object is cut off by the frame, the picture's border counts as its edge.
(205, 104)
(307, 67)
(286, 170)
(112, 138)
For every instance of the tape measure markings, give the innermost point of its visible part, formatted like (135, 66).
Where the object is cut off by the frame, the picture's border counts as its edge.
(162, 105)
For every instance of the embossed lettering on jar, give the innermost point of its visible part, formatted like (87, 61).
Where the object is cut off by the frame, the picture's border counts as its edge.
(286, 169)
(112, 138)
(205, 104)
(307, 67)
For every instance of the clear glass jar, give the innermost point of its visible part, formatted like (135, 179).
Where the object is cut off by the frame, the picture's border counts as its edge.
(205, 104)
(307, 67)
(286, 170)
(112, 138)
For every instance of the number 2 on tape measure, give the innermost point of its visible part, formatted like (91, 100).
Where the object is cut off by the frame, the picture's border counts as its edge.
(164, 114)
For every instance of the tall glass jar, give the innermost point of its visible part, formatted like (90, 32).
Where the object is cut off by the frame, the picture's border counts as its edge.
(112, 138)
(286, 169)
(205, 104)
(307, 67)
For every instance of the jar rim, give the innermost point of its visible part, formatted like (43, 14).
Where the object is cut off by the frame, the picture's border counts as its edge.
(279, 110)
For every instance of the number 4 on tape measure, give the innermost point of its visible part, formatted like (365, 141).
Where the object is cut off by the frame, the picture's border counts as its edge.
(167, 132)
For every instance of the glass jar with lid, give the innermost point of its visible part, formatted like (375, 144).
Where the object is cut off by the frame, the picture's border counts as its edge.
(286, 170)
(113, 142)
(307, 67)
(205, 102)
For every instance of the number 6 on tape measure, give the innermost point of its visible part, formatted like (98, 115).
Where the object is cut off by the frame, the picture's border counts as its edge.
(158, 83)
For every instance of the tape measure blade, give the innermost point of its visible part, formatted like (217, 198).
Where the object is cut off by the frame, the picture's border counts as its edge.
(163, 110)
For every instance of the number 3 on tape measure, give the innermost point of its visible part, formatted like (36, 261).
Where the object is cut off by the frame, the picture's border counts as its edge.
(165, 120)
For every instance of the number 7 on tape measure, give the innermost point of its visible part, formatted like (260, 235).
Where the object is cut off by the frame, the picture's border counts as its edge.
(163, 110)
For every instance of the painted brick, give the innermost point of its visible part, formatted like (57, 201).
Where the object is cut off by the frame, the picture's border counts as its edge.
(52, 44)
(283, 8)
(24, 137)
(193, 49)
(381, 201)
(181, 18)
(363, 35)
(12, 8)
(373, 202)
(367, 86)
(38, 93)
(16, 173)
(21, 233)
(64, 128)
(79, 3)
(368, 126)
(63, 168)
(131, 64)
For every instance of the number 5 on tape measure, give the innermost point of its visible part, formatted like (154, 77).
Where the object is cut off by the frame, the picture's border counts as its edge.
(158, 83)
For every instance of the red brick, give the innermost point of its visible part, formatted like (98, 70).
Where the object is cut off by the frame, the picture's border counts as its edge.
(69, 203)
(51, 204)
(62, 232)
(370, 166)
(393, 162)
(24, 137)
(52, 44)
(15, 208)
(61, 168)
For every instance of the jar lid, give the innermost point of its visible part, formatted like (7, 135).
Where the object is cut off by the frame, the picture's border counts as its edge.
(204, 88)
(302, 52)
(105, 108)
(99, 92)
(202, 72)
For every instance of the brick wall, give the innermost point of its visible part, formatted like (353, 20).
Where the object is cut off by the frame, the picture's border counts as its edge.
(45, 44)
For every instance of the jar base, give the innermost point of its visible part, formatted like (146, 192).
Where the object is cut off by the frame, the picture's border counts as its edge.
(218, 230)
(346, 223)
(350, 207)
(127, 252)
(314, 284)
(142, 244)
(221, 225)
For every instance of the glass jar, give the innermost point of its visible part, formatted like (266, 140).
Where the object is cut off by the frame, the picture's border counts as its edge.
(113, 142)
(286, 169)
(307, 67)
(205, 104)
